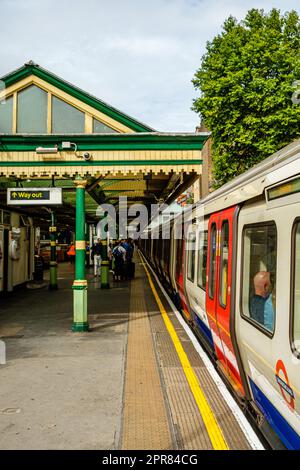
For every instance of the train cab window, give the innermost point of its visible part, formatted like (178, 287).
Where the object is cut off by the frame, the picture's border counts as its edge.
(202, 259)
(212, 264)
(259, 274)
(191, 256)
(296, 290)
(224, 264)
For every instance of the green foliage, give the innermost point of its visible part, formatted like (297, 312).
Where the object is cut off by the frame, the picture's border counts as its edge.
(246, 83)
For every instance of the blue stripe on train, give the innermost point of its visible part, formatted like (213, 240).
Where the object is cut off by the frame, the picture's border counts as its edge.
(286, 433)
(203, 329)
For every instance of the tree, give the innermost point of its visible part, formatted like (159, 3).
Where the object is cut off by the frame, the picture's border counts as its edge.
(247, 79)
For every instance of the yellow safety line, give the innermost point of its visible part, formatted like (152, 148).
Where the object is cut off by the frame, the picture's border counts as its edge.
(211, 424)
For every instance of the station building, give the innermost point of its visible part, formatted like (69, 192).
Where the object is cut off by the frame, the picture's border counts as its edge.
(55, 135)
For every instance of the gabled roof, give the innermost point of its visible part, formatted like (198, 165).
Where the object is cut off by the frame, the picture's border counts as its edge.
(31, 68)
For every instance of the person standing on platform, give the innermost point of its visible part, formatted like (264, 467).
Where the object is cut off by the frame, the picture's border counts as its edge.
(71, 253)
(110, 256)
(119, 254)
(96, 256)
(87, 254)
(129, 267)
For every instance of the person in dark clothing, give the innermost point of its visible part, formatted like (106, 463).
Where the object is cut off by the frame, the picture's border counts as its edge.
(129, 265)
(119, 254)
(96, 256)
(72, 253)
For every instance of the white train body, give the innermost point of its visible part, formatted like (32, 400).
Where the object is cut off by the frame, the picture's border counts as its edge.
(246, 235)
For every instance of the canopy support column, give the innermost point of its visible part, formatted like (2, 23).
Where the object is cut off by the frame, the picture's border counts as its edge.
(80, 316)
(104, 266)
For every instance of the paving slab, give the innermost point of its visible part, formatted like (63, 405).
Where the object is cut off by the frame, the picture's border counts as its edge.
(62, 390)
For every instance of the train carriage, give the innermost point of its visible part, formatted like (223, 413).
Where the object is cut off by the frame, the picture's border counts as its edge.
(236, 271)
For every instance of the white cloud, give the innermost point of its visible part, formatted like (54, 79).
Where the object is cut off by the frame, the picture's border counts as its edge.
(139, 56)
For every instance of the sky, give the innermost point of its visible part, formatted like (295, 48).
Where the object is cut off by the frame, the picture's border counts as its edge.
(139, 56)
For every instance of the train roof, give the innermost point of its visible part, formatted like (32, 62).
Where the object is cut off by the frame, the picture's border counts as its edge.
(280, 166)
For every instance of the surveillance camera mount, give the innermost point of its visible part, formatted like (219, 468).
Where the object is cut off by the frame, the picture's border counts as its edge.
(69, 145)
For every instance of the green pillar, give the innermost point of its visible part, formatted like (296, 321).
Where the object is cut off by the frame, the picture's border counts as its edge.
(53, 259)
(80, 317)
(104, 266)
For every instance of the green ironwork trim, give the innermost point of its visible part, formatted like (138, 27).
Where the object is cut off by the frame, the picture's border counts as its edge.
(142, 141)
(80, 327)
(88, 164)
(79, 287)
(34, 69)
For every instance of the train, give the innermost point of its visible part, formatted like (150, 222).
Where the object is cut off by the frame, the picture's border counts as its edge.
(231, 263)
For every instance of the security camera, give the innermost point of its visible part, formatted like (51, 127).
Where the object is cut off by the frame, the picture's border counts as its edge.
(87, 156)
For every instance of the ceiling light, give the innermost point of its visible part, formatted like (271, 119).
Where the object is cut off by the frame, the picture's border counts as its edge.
(47, 149)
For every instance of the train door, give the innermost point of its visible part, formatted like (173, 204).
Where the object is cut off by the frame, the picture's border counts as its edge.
(195, 280)
(218, 291)
(268, 320)
(173, 260)
(179, 267)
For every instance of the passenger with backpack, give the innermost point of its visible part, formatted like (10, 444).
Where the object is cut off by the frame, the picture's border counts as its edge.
(130, 266)
(119, 254)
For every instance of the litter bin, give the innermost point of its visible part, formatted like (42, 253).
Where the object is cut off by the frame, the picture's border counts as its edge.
(38, 268)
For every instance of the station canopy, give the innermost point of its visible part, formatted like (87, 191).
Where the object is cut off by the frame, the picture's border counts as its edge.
(52, 132)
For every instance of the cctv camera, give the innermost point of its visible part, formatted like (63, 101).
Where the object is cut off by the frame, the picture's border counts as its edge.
(87, 156)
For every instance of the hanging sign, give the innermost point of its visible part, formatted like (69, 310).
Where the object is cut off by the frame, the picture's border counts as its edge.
(34, 196)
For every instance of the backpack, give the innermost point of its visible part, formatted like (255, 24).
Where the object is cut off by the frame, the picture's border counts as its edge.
(117, 254)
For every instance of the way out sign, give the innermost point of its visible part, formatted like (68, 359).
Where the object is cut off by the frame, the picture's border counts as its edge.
(34, 196)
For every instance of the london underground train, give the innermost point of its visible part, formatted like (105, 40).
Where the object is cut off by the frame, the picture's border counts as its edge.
(235, 274)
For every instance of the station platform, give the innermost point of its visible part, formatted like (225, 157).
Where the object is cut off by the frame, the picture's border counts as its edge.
(137, 380)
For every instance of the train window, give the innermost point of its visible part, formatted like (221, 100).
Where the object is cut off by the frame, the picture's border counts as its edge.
(259, 274)
(202, 259)
(191, 257)
(212, 264)
(224, 264)
(296, 290)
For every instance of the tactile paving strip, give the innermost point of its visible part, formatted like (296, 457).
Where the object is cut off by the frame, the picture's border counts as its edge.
(145, 421)
(188, 422)
(152, 395)
(230, 428)
(189, 428)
